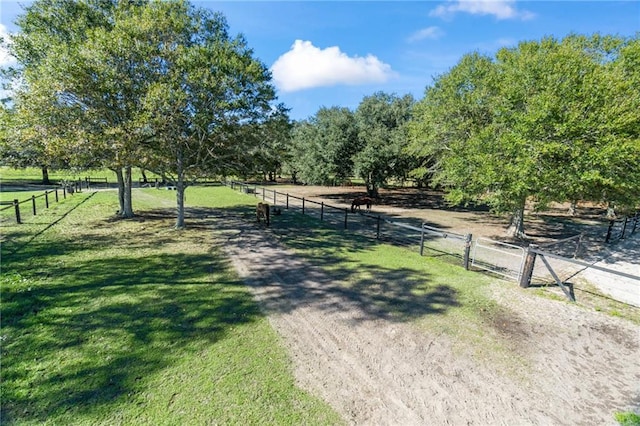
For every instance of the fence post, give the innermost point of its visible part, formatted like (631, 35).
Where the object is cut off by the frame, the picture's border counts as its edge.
(263, 194)
(467, 249)
(346, 216)
(57, 199)
(46, 199)
(378, 228)
(33, 204)
(527, 267)
(287, 201)
(16, 205)
(606, 240)
(64, 192)
(302, 205)
(422, 239)
(274, 197)
(322, 211)
(624, 227)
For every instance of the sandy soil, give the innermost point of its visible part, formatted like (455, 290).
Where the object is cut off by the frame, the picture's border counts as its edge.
(564, 364)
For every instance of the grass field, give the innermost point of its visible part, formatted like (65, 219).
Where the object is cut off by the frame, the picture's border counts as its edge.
(34, 175)
(108, 321)
(131, 322)
(121, 322)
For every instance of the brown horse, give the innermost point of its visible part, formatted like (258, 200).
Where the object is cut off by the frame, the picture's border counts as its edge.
(262, 211)
(360, 201)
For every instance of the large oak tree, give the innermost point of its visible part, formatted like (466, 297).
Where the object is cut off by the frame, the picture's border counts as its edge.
(159, 85)
(554, 120)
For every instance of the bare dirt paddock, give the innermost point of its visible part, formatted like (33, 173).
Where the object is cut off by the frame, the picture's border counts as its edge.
(564, 364)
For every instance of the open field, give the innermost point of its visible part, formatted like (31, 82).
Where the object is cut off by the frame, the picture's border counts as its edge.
(128, 322)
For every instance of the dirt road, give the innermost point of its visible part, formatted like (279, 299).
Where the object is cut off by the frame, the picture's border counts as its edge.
(565, 365)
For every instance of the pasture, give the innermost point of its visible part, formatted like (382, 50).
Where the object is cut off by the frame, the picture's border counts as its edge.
(131, 322)
(127, 322)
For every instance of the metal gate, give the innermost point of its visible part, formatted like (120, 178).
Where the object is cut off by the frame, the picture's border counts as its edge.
(498, 257)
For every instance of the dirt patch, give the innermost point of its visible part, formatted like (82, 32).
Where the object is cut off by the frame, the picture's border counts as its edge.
(569, 366)
(430, 207)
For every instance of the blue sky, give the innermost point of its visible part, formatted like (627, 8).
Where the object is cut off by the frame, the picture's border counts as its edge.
(334, 53)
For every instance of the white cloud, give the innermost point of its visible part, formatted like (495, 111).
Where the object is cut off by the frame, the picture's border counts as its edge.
(501, 9)
(432, 33)
(5, 58)
(306, 66)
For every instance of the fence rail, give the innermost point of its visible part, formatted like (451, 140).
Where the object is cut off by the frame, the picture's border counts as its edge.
(507, 260)
(423, 237)
(31, 205)
(620, 228)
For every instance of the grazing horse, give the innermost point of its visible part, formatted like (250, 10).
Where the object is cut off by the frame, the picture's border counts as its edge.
(359, 201)
(262, 211)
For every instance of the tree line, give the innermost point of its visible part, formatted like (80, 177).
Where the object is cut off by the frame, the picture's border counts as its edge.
(163, 86)
(545, 121)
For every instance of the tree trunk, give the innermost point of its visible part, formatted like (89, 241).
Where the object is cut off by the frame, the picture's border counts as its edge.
(516, 227)
(120, 179)
(180, 202)
(180, 193)
(127, 211)
(45, 176)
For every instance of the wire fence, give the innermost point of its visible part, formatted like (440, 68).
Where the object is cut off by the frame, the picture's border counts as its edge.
(620, 228)
(410, 233)
(567, 263)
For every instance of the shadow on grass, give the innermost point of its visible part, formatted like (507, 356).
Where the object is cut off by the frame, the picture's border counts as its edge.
(98, 328)
(328, 278)
(18, 242)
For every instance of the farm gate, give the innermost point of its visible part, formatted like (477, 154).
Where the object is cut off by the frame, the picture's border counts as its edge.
(620, 282)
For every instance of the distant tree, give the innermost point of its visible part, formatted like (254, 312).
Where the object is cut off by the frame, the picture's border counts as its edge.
(272, 144)
(21, 143)
(339, 140)
(307, 162)
(323, 146)
(382, 121)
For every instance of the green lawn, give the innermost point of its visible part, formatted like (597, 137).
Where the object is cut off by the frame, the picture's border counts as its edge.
(34, 175)
(131, 322)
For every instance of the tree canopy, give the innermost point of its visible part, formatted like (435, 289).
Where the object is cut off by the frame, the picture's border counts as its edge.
(323, 146)
(553, 120)
(154, 84)
(337, 143)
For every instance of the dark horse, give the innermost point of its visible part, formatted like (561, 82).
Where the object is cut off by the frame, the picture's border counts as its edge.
(359, 201)
(262, 212)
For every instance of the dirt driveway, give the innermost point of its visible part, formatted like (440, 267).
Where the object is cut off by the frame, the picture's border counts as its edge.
(567, 366)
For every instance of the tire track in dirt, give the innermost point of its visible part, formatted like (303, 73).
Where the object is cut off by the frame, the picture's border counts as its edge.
(374, 370)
